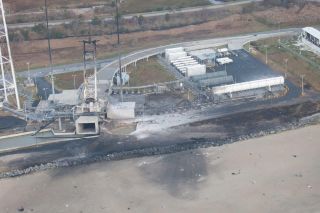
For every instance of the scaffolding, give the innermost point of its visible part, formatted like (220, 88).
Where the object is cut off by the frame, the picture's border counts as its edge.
(89, 56)
(8, 76)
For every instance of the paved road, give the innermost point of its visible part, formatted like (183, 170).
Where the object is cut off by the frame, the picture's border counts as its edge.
(130, 16)
(67, 68)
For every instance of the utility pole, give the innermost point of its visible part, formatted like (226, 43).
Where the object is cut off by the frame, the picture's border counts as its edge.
(49, 47)
(118, 34)
(302, 84)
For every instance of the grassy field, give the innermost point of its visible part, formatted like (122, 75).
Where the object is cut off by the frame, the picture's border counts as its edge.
(69, 50)
(137, 6)
(296, 65)
(32, 5)
(148, 72)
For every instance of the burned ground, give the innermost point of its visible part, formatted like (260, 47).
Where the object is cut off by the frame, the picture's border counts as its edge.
(214, 132)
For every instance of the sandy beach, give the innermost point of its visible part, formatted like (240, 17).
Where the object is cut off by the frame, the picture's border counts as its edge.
(276, 173)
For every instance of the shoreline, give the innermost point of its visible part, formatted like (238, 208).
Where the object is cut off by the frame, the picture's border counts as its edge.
(193, 144)
(276, 173)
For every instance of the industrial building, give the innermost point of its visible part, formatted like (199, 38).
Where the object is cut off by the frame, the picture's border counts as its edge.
(311, 38)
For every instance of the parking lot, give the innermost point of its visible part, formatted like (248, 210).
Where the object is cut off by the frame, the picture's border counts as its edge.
(247, 68)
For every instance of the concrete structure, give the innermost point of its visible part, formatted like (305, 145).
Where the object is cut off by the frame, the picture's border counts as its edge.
(311, 38)
(195, 70)
(229, 89)
(67, 97)
(87, 125)
(121, 110)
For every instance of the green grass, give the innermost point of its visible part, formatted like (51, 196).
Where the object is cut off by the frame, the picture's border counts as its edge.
(148, 72)
(138, 6)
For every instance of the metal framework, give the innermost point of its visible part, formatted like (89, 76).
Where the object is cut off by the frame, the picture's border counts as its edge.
(89, 56)
(8, 76)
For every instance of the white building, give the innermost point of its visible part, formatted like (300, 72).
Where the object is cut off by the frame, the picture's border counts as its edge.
(311, 38)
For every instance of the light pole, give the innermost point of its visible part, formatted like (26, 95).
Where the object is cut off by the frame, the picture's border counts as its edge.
(74, 80)
(279, 40)
(286, 72)
(28, 64)
(45, 93)
(266, 46)
(302, 84)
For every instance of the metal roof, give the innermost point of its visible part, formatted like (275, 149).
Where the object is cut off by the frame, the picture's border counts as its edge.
(313, 31)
